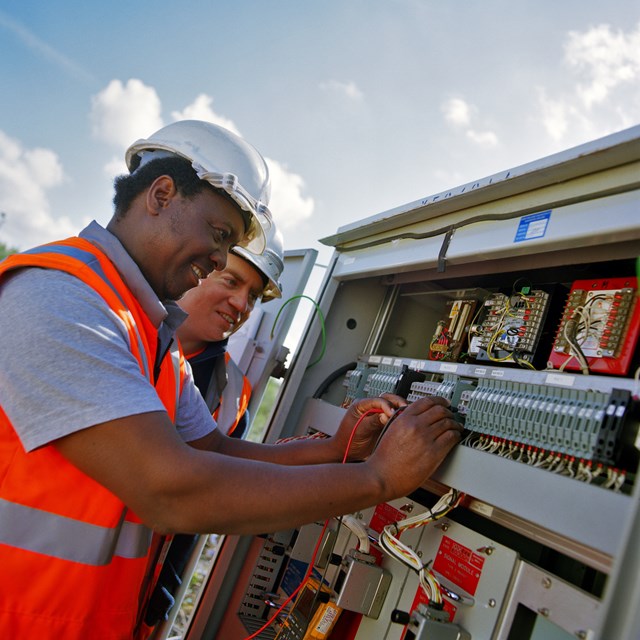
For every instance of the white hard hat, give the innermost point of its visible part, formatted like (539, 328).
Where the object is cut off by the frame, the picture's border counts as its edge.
(270, 263)
(223, 159)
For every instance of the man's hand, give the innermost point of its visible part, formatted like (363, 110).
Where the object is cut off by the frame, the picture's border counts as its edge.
(369, 430)
(414, 445)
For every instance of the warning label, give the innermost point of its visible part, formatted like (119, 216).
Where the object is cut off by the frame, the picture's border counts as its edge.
(385, 514)
(459, 564)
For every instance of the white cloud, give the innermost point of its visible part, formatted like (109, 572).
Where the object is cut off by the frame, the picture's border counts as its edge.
(460, 115)
(555, 115)
(457, 112)
(120, 114)
(25, 177)
(347, 90)
(561, 116)
(123, 113)
(115, 167)
(200, 109)
(483, 138)
(601, 92)
(288, 205)
(603, 60)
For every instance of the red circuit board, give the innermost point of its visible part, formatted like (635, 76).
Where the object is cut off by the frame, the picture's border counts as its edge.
(603, 318)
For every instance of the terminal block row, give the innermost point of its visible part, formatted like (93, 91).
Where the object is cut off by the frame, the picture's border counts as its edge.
(367, 381)
(452, 387)
(582, 423)
(575, 422)
(354, 382)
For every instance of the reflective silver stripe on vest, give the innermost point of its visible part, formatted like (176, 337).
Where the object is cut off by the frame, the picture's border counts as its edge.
(230, 400)
(61, 537)
(175, 361)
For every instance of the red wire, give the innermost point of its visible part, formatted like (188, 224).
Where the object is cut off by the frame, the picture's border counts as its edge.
(270, 621)
(355, 427)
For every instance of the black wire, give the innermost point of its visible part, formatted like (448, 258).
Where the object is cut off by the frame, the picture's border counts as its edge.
(394, 415)
(514, 291)
(599, 296)
(435, 232)
(332, 377)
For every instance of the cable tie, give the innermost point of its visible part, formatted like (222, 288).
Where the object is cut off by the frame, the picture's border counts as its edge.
(442, 256)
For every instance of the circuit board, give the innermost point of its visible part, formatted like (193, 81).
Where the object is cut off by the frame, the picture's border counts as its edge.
(509, 327)
(599, 328)
(451, 334)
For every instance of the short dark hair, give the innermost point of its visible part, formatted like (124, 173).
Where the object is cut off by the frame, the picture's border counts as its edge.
(129, 186)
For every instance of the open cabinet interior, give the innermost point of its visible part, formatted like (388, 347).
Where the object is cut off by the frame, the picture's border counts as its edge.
(518, 302)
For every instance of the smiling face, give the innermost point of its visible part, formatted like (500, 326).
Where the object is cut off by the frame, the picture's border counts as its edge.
(220, 304)
(192, 240)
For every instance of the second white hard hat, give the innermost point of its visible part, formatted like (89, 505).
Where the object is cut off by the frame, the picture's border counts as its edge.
(270, 263)
(225, 160)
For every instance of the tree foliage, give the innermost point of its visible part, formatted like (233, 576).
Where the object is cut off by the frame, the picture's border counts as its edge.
(6, 251)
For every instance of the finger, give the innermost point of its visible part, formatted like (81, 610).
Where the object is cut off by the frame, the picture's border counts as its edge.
(446, 441)
(368, 404)
(394, 400)
(444, 426)
(426, 411)
(384, 419)
(424, 404)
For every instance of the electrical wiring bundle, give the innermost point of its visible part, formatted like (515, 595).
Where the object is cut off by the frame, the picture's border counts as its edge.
(390, 542)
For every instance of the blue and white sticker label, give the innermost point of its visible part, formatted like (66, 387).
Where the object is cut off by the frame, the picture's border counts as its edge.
(533, 226)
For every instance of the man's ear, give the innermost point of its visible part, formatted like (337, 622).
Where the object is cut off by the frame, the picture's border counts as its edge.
(160, 194)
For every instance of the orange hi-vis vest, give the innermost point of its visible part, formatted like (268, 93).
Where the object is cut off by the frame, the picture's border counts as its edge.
(235, 397)
(77, 564)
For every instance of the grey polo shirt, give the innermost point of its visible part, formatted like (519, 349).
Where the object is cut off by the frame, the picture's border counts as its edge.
(65, 362)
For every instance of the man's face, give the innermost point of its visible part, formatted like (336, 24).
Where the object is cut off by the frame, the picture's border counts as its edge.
(223, 301)
(197, 234)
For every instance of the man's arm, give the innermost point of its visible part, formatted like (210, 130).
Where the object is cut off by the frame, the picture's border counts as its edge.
(305, 451)
(174, 487)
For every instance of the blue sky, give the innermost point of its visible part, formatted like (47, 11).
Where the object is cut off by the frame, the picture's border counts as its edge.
(359, 106)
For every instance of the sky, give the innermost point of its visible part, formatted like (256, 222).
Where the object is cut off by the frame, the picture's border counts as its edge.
(358, 106)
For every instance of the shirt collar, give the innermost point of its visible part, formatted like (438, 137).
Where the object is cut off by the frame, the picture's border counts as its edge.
(158, 312)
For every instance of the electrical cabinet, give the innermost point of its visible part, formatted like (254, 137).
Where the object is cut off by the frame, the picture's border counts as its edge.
(515, 297)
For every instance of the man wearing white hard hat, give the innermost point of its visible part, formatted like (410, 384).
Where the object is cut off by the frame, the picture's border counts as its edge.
(219, 307)
(97, 405)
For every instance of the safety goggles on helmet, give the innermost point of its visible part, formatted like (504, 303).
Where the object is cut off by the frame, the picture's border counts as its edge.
(270, 263)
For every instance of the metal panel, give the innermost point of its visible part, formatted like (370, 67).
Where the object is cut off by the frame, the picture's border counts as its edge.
(382, 627)
(573, 509)
(562, 604)
(589, 223)
(348, 325)
(622, 594)
(493, 570)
